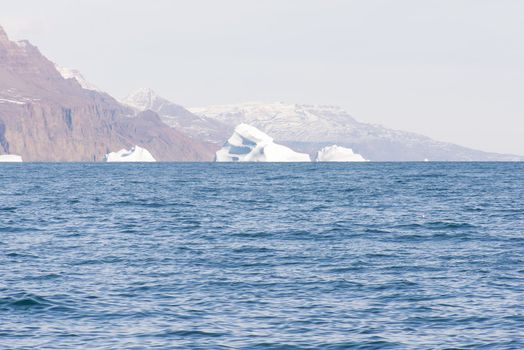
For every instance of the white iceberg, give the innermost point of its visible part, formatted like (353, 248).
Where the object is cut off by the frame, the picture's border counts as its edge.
(10, 158)
(338, 154)
(135, 154)
(248, 144)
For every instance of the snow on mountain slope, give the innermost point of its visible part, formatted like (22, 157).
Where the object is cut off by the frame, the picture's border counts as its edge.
(338, 154)
(248, 144)
(135, 154)
(143, 99)
(178, 117)
(308, 128)
(285, 122)
(69, 73)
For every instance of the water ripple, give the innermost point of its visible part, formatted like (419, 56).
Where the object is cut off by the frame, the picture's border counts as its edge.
(262, 256)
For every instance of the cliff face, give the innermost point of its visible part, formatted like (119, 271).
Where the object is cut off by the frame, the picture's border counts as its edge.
(51, 132)
(44, 117)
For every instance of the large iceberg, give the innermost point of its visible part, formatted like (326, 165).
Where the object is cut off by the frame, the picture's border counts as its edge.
(10, 158)
(135, 154)
(338, 154)
(248, 144)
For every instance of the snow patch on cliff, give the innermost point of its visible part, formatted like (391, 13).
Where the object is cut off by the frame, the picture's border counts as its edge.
(10, 158)
(248, 144)
(5, 100)
(135, 154)
(338, 154)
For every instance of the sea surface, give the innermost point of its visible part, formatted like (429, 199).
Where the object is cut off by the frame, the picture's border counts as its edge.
(262, 256)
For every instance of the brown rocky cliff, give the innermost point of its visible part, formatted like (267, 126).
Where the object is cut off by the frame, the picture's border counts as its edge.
(44, 117)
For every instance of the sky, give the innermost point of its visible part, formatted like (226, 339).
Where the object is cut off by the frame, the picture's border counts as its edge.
(449, 69)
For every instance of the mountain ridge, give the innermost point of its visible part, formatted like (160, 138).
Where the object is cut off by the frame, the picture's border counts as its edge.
(48, 113)
(179, 117)
(45, 117)
(308, 128)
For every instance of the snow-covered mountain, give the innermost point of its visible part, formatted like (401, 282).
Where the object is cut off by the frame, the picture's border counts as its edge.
(178, 117)
(308, 128)
(285, 122)
(75, 74)
(248, 144)
(144, 99)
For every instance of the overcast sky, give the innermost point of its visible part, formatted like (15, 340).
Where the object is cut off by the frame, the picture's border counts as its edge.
(449, 69)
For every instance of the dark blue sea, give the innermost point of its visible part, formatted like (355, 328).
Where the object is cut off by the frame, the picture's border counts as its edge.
(262, 256)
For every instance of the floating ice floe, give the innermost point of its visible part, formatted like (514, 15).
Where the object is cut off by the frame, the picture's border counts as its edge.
(135, 154)
(10, 158)
(338, 154)
(248, 144)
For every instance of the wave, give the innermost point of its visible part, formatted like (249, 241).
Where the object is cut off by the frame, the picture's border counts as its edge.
(29, 302)
(437, 225)
(8, 209)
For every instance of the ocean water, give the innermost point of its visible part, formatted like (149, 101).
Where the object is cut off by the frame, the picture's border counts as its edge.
(262, 256)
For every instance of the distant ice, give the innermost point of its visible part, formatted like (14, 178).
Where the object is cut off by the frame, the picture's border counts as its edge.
(10, 158)
(248, 144)
(135, 154)
(338, 154)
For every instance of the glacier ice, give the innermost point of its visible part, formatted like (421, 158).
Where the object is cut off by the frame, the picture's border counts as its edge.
(248, 144)
(10, 158)
(338, 154)
(135, 154)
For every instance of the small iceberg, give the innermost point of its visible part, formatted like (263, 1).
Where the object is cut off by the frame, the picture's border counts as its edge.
(10, 158)
(248, 144)
(338, 154)
(135, 154)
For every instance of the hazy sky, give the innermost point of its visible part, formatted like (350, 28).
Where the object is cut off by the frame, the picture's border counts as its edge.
(449, 69)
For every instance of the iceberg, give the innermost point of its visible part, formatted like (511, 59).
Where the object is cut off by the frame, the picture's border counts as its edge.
(338, 154)
(248, 144)
(135, 154)
(10, 158)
